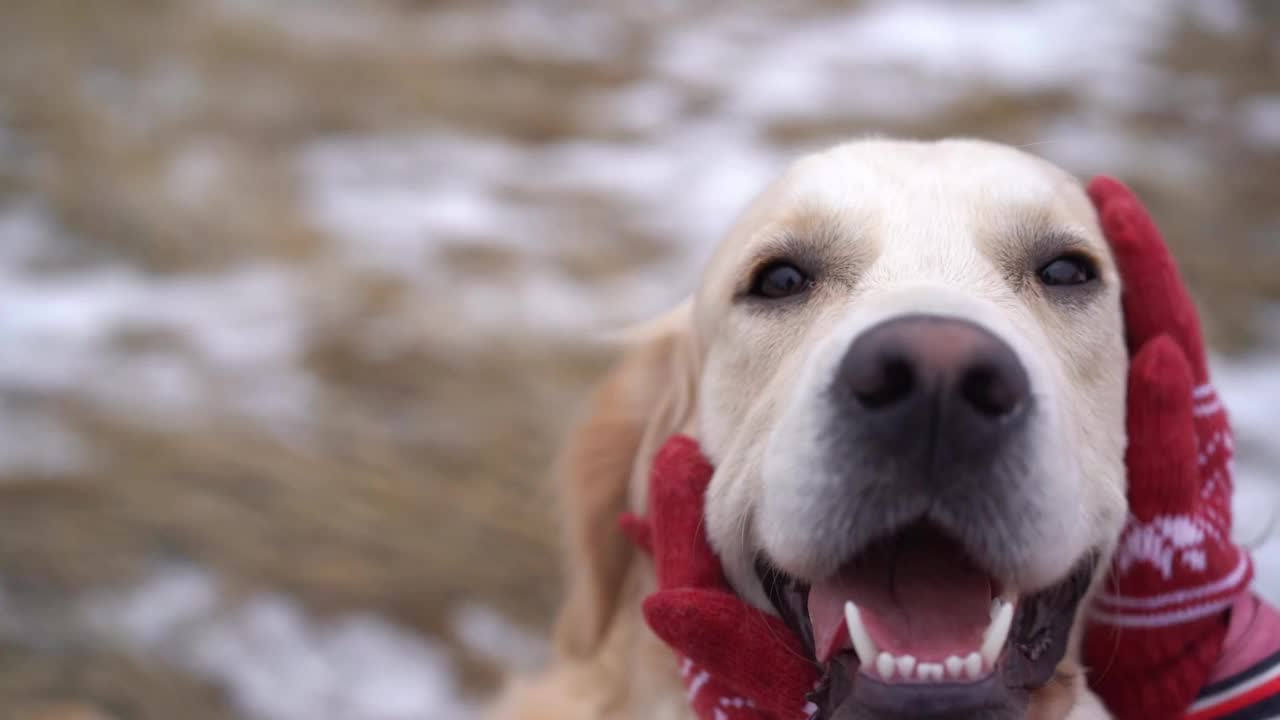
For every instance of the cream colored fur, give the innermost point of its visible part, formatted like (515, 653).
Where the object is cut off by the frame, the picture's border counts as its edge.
(916, 227)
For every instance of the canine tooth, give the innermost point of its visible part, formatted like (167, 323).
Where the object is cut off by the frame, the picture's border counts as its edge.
(885, 665)
(973, 666)
(996, 634)
(906, 666)
(862, 643)
(929, 672)
(954, 666)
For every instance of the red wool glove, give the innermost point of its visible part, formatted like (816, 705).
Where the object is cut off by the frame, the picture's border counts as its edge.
(1157, 626)
(738, 662)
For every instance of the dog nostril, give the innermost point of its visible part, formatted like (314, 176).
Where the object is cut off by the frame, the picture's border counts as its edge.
(884, 384)
(993, 391)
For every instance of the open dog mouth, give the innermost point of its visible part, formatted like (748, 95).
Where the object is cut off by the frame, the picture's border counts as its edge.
(914, 625)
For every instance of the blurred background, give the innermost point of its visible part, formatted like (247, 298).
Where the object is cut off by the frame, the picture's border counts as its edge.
(297, 296)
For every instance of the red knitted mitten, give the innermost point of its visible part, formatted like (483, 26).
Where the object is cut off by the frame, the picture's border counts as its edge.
(1156, 627)
(738, 662)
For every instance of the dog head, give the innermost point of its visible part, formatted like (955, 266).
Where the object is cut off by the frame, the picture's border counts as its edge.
(906, 362)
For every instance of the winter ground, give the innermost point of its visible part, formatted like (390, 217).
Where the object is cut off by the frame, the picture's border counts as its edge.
(289, 291)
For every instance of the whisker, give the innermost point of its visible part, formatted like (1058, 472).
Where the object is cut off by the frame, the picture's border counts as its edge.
(1038, 143)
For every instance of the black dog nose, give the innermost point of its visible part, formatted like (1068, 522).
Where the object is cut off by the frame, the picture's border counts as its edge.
(921, 374)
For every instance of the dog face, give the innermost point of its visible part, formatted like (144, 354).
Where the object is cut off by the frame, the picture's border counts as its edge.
(906, 362)
(911, 382)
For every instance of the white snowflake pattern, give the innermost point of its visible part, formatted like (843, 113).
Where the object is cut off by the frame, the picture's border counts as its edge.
(1164, 540)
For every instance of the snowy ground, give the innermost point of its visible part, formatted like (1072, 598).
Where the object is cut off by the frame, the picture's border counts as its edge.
(279, 663)
(175, 349)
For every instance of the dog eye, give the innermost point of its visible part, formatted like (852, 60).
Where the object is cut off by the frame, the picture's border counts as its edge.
(1068, 270)
(779, 280)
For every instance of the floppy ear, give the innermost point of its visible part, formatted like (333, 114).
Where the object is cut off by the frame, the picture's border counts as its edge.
(603, 470)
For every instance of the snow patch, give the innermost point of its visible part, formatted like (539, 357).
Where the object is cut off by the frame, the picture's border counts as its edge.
(933, 53)
(395, 204)
(489, 635)
(235, 333)
(147, 345)
(1260, 120)
(1095, 144)
(274, 660)
(1250, 390)
(33, 442)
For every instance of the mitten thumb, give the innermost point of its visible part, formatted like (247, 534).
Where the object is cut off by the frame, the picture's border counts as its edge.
(747, 650)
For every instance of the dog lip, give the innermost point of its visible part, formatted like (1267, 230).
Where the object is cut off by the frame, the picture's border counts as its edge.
(926, 700)
(1042, 626)
(790, 599)
(1037, 642)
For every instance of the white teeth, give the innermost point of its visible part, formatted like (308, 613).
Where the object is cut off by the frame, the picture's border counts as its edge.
(929, 672)
(885, 665)
(862, 643)
(973, 666)
(906, 666)
(997, 633)
(955, 666)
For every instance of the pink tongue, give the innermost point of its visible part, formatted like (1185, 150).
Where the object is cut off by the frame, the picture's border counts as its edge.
(918, 594)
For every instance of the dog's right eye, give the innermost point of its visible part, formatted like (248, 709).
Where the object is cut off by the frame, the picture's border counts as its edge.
(778, 280)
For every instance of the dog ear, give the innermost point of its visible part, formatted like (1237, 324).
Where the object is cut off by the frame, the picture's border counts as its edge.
(603, 471)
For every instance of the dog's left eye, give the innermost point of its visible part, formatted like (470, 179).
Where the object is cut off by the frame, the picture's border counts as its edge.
(778, 280)
(1068, 270)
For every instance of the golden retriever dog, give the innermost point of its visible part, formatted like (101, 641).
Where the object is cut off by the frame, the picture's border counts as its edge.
(906, 363)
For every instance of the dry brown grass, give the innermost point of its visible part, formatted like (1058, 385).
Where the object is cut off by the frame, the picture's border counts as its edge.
(86, 684)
